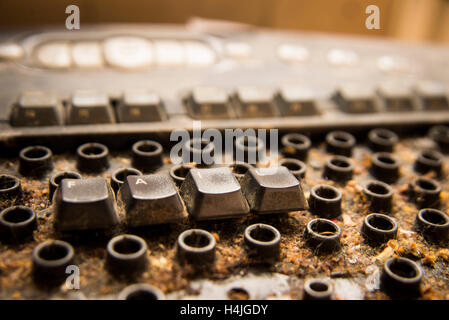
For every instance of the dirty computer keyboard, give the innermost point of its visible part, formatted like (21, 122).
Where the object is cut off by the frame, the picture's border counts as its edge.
(352, 206)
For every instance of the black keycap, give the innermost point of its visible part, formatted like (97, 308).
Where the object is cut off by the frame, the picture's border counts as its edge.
(84, 204)
(90, 107)
(55, 180)
(213, 194)
(140, 106)
(433, 95)
(273, 190)
(151, 199)
(208, 103)
(295, 101)
(253, 102)
(36, 108)
(396, 97)
(353, 98)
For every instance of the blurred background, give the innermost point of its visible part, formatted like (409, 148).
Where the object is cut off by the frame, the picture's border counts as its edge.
(415, 20)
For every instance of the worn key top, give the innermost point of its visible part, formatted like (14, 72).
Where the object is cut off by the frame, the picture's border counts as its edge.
(208, 103)
(273, 190)
(151, 199)
(36, 108)
(213, 194)
(140, 106)
(84, 204)
(90, 107)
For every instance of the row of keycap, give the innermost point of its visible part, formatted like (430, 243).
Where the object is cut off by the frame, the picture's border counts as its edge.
(210, 193)
(38, 108)
(154, 199)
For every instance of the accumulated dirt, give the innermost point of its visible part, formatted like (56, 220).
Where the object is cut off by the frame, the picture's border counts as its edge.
(354, 260)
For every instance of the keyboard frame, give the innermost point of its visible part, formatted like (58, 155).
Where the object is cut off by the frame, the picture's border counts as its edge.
(425, 62)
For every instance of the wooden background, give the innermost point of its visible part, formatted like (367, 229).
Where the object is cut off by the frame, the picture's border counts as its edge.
(420, 20)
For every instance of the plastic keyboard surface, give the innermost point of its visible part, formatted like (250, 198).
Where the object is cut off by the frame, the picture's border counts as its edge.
(353, 207)
(153, 79)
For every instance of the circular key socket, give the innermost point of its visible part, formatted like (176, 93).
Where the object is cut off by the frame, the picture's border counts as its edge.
(296, 167)
(35, 161)
(249, 149)
(179, 173)
(147, 155)
(295, 145)
(263, 241)
(433, 224)
(385, 167)
(50, 260)
(118, 178)
(318, 289)
(196, 247)
(379, 228)
(429, 160)
(338, 168)
(340, 142)
(401, 277)
(238, 294)
(382, 140)
(239, 169)
(200, 151)
(379, 195)
(17, 223)
(322, 235)
(425, 192)
(141, 291)
(56, 179)
(126, 255)
(92, 157)
(325, 201)
(440, 134)
(10, 187)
